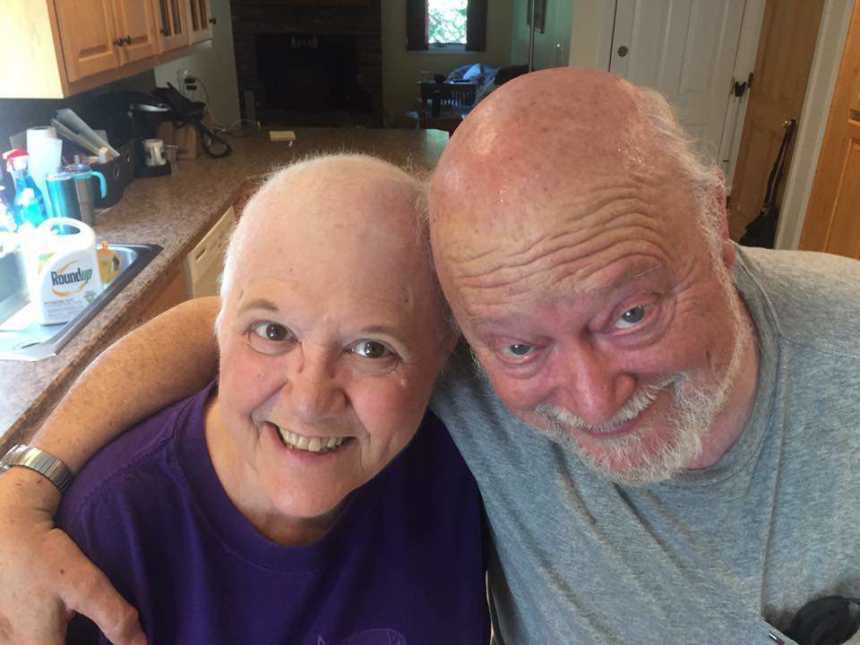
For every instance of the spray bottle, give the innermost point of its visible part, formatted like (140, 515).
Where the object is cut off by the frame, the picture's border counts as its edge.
(28, 207)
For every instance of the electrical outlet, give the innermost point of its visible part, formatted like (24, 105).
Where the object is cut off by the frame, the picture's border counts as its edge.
(182, 76)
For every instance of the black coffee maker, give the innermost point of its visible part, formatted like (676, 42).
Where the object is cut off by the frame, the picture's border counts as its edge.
(146, 117)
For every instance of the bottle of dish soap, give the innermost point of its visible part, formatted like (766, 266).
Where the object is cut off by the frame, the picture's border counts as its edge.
(28, 206)
(109, 263)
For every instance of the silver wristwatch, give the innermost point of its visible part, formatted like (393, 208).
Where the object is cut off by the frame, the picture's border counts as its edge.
(40, 461)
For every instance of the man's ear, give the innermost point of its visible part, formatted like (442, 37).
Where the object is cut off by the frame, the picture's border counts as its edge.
(728, 251)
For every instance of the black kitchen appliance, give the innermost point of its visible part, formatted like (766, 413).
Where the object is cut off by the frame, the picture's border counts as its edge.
(146, 117)
(118, 174)
(185, 112)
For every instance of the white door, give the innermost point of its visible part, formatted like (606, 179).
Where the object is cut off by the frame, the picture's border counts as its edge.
(686, 49)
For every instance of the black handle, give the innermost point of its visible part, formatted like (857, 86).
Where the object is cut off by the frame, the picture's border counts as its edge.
(740, 89)
(212, 21)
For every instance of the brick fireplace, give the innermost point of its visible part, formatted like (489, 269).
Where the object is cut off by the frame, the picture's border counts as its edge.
(310, 62)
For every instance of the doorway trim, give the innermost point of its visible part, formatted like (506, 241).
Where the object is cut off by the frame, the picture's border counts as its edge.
(829, 47)
(745, 60)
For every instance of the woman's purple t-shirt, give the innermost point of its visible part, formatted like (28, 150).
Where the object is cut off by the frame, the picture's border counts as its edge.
(403, 566)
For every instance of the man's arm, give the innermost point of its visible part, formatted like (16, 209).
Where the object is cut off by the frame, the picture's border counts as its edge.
(43, 575)
(168, 358)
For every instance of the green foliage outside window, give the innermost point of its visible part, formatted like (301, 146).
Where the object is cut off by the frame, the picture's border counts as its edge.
(447, 21)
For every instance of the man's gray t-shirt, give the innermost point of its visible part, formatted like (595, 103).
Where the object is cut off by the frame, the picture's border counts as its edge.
(724, 554)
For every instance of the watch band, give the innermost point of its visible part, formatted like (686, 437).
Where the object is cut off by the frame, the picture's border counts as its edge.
(43, 463)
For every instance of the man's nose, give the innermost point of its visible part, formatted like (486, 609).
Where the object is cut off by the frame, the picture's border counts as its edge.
(313, 390)
(591, 385)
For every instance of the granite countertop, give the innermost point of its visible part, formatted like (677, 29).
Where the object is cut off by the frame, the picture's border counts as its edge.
(174, 212)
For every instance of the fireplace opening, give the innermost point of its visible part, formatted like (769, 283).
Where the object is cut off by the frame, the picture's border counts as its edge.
(311, 79)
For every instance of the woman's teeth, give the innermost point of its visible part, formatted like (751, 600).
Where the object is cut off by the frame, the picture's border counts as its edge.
(312, 444)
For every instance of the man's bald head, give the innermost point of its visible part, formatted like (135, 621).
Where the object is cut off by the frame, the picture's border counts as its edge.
(562, 129)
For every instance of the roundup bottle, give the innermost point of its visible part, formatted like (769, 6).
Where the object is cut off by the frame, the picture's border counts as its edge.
(62, 269)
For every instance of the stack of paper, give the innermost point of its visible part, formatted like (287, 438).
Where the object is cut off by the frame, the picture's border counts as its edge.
(72, 127)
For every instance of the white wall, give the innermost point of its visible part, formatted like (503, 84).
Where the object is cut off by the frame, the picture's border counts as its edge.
(591, 33)
(401, 69)
(552, 48)
(215, 63)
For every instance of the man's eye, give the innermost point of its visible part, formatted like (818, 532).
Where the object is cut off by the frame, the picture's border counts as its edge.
(631, 317)
(518, 351)
(370, 349)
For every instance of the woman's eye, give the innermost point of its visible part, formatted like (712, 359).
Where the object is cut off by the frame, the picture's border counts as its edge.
(371, 349)
(631, 317)
(270, 331)
(269, 337)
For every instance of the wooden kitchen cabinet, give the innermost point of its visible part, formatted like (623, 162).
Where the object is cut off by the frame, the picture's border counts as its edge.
(89, 37)
(135, 20)
(102, 35)
(173, 24)
(63, 47)
(200, 20)
(173, 293)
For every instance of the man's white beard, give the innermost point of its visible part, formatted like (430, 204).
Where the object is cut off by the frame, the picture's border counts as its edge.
(629, 459)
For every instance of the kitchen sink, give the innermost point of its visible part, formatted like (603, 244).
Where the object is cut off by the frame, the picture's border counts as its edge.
(23, 339)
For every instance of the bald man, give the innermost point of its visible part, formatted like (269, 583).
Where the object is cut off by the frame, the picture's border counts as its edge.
(663, 425)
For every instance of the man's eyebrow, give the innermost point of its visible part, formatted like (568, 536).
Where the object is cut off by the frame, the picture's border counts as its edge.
(258, 303)
(623, 279)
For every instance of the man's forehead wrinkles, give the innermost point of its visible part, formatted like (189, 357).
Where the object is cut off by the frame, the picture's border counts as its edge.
(573, 208)
(620, 270)
(577, 222)
(571, 255)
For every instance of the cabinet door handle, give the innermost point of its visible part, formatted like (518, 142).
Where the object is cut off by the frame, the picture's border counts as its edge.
(119, 42)
(212, 21)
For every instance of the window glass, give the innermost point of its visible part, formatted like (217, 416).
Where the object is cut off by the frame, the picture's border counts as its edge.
(447, 22)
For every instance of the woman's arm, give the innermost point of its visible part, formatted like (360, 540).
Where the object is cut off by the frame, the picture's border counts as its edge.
(166, 359)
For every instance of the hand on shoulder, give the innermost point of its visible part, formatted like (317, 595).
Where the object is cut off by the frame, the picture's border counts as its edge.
(44, 578)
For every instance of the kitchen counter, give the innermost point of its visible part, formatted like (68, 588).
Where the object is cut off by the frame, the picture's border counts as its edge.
(174, 212)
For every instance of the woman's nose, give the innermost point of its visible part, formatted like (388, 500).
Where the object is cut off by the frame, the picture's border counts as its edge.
(313, 390)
